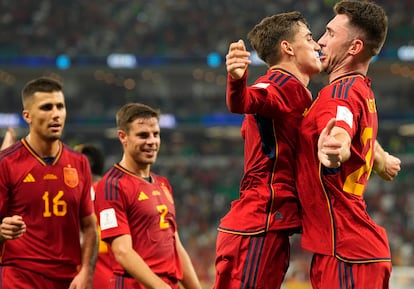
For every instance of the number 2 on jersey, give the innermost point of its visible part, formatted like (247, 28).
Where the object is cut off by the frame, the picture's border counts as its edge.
(163, 210)
(352, 184)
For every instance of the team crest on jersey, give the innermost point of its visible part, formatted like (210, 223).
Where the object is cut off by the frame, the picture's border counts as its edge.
(167, 193)
(70, 176)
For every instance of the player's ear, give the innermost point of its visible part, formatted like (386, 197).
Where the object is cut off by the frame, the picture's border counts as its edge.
(122, 136)
(357, 46)
(26, 116)
(286, 48)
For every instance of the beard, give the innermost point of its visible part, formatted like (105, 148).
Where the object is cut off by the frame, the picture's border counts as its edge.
(54, 136)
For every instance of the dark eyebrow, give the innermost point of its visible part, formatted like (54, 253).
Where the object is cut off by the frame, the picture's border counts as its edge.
(46, 106)
(49, 106)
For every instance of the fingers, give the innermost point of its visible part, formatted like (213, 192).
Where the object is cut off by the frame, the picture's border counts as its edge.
(238, 53)
(239, 45)
(392, 167)
(12, 227)
(329, 126)
(329, 149)
(237, 59)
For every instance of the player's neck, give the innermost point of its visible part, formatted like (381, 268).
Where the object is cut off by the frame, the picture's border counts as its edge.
(348, 68)
(142, 170)
(43, 148)
(293, 69)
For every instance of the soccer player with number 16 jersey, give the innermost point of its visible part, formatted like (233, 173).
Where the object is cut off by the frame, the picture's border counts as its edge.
(45, 201)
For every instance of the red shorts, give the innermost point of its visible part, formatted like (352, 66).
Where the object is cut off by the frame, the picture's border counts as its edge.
(330, 272)
(258, 261)
(16, 278)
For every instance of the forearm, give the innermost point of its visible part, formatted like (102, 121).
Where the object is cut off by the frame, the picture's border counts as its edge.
(234, 93)
(385, 165)
(132, 262)
(379, 158)
(190, 279)
(89, 246)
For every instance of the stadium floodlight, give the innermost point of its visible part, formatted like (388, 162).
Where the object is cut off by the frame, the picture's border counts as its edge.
(406, 53)
(63, 62)
(119, 60)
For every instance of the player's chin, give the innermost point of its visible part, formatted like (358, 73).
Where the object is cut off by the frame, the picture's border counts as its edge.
(315, 69)
(54, 136)
(150, 160)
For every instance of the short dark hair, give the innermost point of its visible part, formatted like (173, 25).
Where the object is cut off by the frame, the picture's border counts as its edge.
(131, 111)
(369, 18)
(266, 36)
(41, 84)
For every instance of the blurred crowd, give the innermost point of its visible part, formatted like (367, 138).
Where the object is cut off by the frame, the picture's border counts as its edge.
(159, 27)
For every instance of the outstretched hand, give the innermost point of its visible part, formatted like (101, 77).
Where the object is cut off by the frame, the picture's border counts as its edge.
(329, 148)
(237, 59)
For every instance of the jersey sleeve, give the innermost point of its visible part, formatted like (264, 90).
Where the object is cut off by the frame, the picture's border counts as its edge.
(345, 109)
(111, 209)
(261, 98)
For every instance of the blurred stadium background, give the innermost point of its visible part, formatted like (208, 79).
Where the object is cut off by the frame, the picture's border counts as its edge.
(170, 54)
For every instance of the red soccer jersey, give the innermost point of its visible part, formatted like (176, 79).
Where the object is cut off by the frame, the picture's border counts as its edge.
(335, 220)
(273, 109)
(51, 198)
(128, 204)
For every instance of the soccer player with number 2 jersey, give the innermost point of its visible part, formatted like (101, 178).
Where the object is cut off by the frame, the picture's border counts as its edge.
(337, 152)
(136, 211)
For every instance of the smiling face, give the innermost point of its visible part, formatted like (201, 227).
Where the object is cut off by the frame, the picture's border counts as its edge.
(142, 141)
(45, 112)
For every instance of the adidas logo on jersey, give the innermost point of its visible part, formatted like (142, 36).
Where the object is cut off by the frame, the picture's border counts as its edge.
(29, 178)
(278, 216)
(142, 196)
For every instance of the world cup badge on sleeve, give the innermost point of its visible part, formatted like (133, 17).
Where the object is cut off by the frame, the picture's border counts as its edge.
(70, 176)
